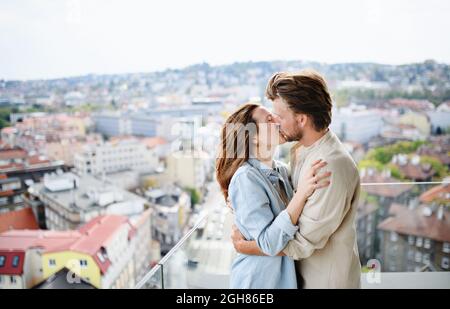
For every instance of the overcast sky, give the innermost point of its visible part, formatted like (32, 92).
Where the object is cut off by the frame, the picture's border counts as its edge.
(59, 38)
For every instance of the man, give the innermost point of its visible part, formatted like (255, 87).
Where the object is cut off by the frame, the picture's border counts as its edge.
(325, 244)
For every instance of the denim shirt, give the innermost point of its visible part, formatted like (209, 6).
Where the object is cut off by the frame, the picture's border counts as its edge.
(260, 215)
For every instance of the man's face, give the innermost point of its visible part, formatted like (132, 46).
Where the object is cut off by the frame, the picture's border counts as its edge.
(287, 119)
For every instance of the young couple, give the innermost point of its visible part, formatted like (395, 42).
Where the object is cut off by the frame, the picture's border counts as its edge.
(294, 228)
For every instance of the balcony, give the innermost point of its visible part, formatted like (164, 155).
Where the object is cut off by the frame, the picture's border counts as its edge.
(202, 258)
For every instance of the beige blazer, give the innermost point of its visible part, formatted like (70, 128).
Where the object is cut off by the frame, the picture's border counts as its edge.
(325, 245)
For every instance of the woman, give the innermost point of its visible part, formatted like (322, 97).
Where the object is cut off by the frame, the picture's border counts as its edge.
(265, 206)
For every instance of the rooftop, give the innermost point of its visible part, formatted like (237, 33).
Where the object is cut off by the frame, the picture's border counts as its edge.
(59, 281)
(436, 193)
(18, 220)
(89, 193)
(418, 222)
(89, 239)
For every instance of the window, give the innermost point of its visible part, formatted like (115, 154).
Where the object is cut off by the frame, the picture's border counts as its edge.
(427, 243)
(445, 263)
(411, 255)
(418, 258)
(83, 263)
(51, 262)
(368, 252)
(13, 279)
(100, 257)
(2, 260)
(446, 247)
(426, 258)
(419, 242)
(394, 236)
(368, 228)
(411, 240)
(15, 261)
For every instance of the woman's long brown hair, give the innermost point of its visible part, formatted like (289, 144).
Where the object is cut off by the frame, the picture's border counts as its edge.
(234, 150)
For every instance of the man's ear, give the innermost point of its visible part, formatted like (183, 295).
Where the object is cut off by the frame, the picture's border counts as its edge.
(302, 120)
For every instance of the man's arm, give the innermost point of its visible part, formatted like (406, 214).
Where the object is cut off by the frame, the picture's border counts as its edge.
(324, 212)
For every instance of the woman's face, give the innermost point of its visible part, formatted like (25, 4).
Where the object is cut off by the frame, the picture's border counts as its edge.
(269, 134)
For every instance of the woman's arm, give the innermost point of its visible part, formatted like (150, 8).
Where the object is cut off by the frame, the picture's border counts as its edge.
(254, 215)
(294, 209)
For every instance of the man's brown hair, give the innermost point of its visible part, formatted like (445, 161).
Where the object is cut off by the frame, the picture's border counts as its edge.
(305, 92)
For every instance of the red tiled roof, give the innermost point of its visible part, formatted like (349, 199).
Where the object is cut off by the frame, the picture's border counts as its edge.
(89, 239)
(413, 104)
(6, 193)
(7, 154)
(437, 192)
(37, 160)
(13, 165)
(96, 235)
(412, 222)
(18, 220)
(26, 239)
(419, 171)
(152, 142)
(8, 130)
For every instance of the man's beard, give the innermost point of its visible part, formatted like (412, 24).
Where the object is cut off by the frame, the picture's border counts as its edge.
(295, 137)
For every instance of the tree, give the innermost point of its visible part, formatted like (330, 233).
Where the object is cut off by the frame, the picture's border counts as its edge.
(441, 169)
(195, 196)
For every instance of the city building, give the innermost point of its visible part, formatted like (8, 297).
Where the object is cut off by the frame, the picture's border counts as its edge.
(366, 230)
(115, 156)
(380, 195)
(189, 169)
(18, 170)
(171, 209)
(418, 120)
(56, 136)
(70, 200)
(103, 253)
(146, 122)
(356, 124)
(416, 239)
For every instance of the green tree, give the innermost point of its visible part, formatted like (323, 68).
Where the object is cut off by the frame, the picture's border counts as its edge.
(441, 169)
(195, 196)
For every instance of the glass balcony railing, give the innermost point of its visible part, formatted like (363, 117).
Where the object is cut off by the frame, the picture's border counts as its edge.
(393, 222)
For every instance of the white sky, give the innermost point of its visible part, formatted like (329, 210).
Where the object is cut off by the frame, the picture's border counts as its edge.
(57, 38)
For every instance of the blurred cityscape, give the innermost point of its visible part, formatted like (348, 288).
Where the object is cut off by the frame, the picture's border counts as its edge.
(102, 175)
